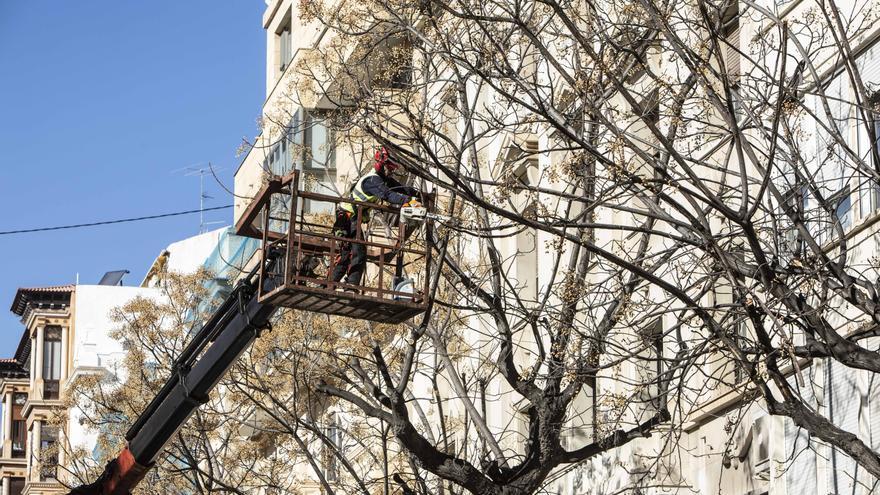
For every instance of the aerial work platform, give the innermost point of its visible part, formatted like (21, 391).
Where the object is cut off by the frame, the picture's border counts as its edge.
(297, 226)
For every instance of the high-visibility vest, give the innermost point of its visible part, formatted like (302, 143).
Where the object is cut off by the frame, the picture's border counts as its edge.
(358, 194)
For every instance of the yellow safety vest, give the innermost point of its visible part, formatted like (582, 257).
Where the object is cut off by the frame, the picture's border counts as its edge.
(358, 194)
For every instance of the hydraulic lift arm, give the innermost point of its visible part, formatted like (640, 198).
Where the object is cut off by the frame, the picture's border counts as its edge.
(210, 354)
(213, 350)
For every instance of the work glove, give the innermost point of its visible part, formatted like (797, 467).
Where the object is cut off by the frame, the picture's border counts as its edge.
(413, 202)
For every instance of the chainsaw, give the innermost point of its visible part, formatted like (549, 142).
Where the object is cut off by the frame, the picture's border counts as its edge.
(414, 215)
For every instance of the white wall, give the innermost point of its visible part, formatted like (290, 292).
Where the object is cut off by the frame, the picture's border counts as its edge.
(190, 254)
(92, 345)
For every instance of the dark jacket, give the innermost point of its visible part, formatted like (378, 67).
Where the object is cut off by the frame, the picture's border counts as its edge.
(388, 188)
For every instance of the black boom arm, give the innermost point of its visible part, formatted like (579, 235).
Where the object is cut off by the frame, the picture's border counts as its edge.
(210, 354)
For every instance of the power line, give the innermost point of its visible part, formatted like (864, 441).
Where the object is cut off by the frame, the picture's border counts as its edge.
(108, 222)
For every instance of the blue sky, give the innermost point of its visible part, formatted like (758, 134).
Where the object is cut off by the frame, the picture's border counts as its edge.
(100, 102)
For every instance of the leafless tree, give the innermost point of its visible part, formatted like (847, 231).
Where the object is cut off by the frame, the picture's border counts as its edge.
(647, 206)
(694, 167)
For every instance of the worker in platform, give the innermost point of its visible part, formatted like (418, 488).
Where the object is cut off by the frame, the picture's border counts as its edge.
(378, 184)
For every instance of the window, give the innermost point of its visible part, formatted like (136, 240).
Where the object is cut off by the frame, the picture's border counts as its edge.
(51, 362)
(650, 366)
(48, 452)
(793, 242)
(391, 64)
(485, 411)
(16, 486)
(875, 149)
(319, 161)
(840, 204)
(452, 446)
(331, 446)
(521, 162)
(740, 369)
(284, 152)
(833, 127)
(19, 426)
(731, 33)
(525, 176)
(449, 445)
(759, 448)
(651, 107)
(649, 115)
(308, 146)
(318, 144)
(869, 196)
(19, 438)
(295, 142)
(580, 427)
(285, 48)
(842, 208)
(868, 65)
(869, 189)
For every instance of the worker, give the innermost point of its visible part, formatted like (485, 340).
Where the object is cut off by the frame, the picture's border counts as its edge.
(376, 185)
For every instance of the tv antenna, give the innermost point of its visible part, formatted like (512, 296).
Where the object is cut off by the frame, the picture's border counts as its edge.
(201, 170)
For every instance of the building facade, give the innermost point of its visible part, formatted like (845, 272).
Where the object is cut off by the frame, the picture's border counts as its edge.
(68, 334)
(727, 444)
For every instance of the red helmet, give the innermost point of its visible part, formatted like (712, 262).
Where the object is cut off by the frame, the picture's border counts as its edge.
(383, 160)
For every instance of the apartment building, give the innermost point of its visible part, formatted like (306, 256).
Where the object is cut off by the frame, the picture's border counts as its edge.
(67, 334)
(15, 380)
(727, 444)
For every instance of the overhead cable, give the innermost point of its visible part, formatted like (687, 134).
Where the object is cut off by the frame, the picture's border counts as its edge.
(109, 222)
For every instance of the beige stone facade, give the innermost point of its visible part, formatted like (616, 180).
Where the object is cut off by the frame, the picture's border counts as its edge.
(762, 447)
(32, 386)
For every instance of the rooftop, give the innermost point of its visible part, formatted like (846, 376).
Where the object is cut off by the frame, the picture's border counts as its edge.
(49, 294)
(12, 368)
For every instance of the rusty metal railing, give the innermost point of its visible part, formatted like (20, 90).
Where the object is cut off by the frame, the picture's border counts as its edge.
(285, 218)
